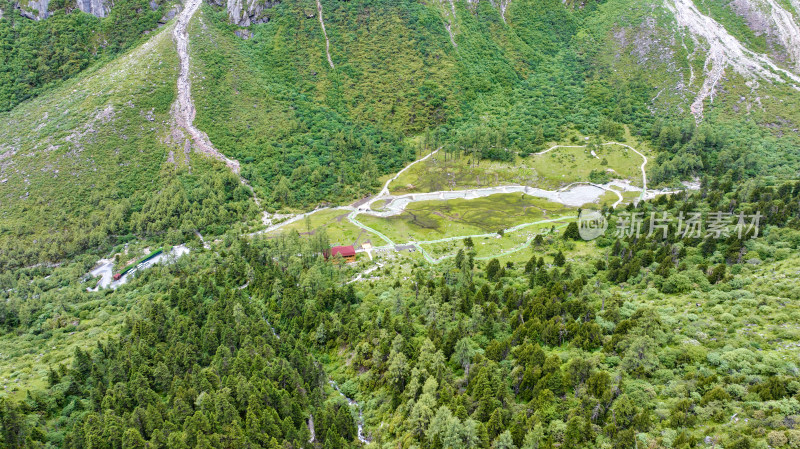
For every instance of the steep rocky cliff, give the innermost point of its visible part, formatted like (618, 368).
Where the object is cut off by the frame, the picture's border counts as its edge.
(99, 8)
(39, 9)
(33, 9)
(246, 12)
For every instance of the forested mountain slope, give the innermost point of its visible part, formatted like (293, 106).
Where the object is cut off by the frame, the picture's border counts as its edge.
(98, 160)
(618, 343)
(315, 100)
(131, 126)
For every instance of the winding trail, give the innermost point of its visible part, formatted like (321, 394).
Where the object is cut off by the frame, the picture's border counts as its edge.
(352, 218)
(644, 173)
(574, 194)
(396, 204)
(644, 158)
(385, 190)
(325, 33)
(516, 228)
(295, 219)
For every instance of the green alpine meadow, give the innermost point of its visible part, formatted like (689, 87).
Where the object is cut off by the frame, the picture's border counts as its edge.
(399, 224)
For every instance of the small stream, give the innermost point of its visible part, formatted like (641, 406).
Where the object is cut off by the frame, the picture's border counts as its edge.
(352, 403)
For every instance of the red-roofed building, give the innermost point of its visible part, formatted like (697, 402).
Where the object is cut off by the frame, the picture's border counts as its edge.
(347, 252)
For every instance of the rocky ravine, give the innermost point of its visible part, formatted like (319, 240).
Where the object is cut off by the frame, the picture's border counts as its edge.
(325, 33)
(769, 19)
(183, 109)
(724, 51)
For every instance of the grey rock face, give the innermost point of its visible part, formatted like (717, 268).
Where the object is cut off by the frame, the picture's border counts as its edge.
(770, 19)
(247, 12)
(98, 8)
(34, 9)
(38, 9)
(170, 14)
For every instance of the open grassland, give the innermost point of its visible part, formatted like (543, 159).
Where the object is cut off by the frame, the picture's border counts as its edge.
(25, 360)
(378, 205)
(449, 172)
(608, 199)
(550, 170)
(432, 220)
(566, 165)
(336, 225)
(514, 247)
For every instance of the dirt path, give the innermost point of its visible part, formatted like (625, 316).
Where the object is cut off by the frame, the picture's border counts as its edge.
(574, 194)
(644, 158)
(385, 190)
(325, 33)
(524, 245)
(644, 173)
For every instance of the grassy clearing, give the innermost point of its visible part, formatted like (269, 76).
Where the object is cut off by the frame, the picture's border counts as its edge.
(26, 359)
(378, 205)
(458, 173)
(512, 247)
(335, 223)
(432, 220)
(548, 171)
(608, 199)
(565, 165)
